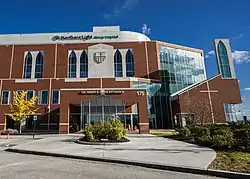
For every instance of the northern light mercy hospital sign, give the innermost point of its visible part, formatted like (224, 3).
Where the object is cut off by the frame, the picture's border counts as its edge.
(83, 37)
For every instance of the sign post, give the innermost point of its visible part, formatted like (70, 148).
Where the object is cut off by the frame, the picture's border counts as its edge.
(34, 125)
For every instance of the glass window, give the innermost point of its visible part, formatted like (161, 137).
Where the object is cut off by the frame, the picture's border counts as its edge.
(72, 65)
(43, 97)
(5, 97)
(223, 61)
(130, 64)
(118, 63)
(55, 96)
(84, 65)
(39, 65)
(27, 66)
(30, 94)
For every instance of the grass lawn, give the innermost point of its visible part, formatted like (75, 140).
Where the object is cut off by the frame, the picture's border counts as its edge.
(232, 161)
(164, 134)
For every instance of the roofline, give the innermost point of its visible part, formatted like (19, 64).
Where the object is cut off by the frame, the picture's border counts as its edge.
(180, 47)
(192, 86)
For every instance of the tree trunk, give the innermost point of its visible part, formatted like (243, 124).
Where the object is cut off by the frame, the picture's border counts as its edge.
(20, 127)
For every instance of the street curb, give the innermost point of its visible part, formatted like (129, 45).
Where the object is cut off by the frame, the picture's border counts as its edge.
(217, 173)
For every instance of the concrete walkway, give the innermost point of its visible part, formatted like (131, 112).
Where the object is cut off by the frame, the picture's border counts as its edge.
(142, 148)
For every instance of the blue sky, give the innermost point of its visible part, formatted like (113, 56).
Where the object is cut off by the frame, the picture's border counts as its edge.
(193, 23)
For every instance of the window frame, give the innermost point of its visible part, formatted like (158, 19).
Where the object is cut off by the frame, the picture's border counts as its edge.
(33, 92)
(52, 97)
(40, 97)
(9, 96)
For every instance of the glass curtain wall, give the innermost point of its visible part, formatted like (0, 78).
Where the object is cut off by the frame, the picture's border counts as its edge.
(156, 106)
(179, 69)
(100, 109)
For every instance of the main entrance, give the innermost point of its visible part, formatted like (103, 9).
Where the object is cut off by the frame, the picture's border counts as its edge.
(100, 109)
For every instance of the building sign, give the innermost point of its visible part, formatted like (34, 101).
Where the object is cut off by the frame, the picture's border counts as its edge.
(99, 57)
(83, 37)
(99, 92)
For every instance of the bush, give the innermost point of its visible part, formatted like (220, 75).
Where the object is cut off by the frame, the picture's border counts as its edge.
(242, 139)
(115, 129)
(184, 132)
(222, 139)
(112, 130)
(199, 131)
(204, 140)
(88, 132)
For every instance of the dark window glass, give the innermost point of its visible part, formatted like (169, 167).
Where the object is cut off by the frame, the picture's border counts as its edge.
(30, 94)
(39, 65)
(118, 64)
(55, 97)
(72, 65)
(223, 61)
(27, 66)
(84, 65)
(130, 64)
(43, 97)
(5, 97)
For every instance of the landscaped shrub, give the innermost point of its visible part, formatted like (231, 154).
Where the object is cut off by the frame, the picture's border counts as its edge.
(112, 130)
(184, 132)
(88, 132)
(242, 139)
(199, 131)
(204, 140)
(115, 129)
(222, 139)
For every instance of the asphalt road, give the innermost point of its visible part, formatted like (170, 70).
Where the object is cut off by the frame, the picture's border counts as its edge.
(21, 166)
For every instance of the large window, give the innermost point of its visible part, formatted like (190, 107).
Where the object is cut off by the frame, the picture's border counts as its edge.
(5, 97)
(84, 65)
(118, 64)
(130, 64)
(223, 61)
(180, 68)
(39, 65)
(55, 97)
(72, 65)
(27, 66)
(43, 97)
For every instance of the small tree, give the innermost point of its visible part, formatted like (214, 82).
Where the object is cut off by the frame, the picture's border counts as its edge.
(22, 108)
(200, 109)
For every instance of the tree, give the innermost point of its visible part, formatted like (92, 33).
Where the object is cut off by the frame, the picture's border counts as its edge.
(22, 108)
(199, 109)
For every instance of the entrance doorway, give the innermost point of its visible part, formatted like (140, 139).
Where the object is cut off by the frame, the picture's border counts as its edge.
(100, 110)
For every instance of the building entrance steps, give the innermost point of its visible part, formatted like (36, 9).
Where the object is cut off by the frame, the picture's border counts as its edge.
(142, 148)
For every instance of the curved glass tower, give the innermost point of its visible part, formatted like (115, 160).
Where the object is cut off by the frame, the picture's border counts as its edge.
(224, 58)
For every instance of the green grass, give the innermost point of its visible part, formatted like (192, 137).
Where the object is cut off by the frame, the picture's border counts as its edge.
(164, 134)
(232, 161)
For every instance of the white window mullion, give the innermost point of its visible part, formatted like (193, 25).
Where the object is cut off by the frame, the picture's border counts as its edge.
(33, 69)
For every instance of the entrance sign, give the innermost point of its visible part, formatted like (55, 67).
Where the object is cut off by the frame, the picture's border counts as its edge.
(99, 92)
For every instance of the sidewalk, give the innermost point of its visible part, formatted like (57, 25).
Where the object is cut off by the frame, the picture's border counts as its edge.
(143, 149)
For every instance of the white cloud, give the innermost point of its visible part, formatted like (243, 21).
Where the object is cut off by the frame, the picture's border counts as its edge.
(241, 56)
(121, 7)
(210, 53)
(246, 89)
(238, 36)
(145, 29)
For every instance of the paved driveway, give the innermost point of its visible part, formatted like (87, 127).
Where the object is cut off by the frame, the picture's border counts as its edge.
(145, 149)
(21, 166)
